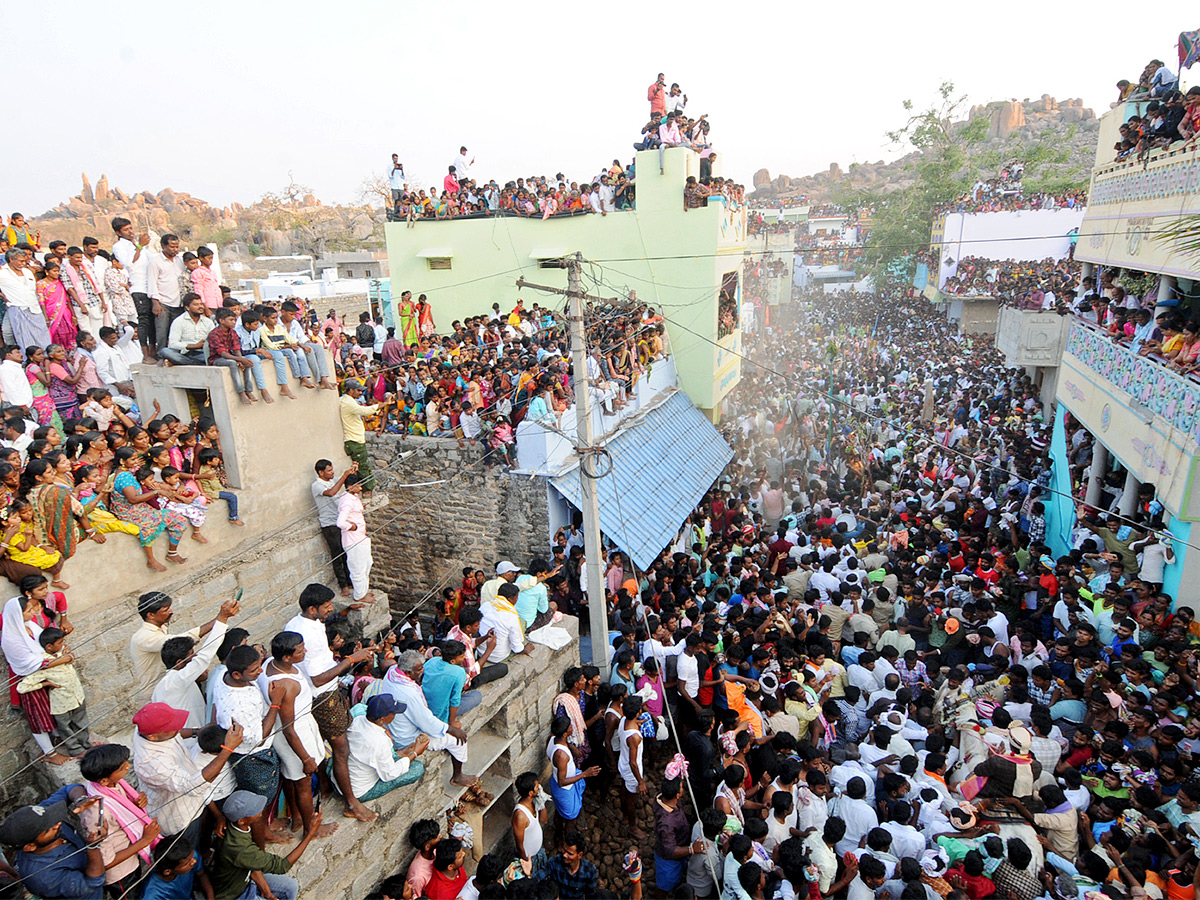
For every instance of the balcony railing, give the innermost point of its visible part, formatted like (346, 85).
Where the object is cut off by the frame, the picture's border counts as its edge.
(1147, 379)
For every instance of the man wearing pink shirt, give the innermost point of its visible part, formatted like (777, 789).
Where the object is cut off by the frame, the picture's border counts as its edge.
(204, 282)
(668, 136)
(450, 183)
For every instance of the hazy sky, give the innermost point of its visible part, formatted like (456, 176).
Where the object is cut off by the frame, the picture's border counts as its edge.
(223, 99)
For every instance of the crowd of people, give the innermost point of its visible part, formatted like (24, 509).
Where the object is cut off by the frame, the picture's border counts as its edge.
(879, 676)
(992, 196)
(1028, 284)
(478, 380)
(1172, 117)
(882, 682)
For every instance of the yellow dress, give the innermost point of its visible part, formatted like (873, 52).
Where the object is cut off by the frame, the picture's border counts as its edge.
(35, 556)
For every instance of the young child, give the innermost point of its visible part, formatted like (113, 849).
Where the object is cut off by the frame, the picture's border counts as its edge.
(177, 872)
(90, 491)
(100, 406)
(186, 502)
(209, 477)
(19, 543)
(67, 706)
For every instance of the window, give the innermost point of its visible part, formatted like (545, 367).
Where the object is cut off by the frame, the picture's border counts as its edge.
(728, 305)
(349, 273)
(439, 262)
(551, 263)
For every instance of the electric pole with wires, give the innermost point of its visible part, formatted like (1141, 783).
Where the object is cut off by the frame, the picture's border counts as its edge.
(587, 451)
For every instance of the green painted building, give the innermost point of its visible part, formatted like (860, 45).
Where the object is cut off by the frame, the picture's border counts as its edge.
(685, 264)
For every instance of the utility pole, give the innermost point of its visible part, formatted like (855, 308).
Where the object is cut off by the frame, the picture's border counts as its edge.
(597, 605)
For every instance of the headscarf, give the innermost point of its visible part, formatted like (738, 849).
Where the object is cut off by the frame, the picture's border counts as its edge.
(21, 647)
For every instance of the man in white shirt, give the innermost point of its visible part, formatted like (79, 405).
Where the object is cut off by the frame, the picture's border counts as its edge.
(857, 813)
(185, 663)
(167, 774)
(325, 490)
(162, 283)
(145, 646)
(188, 335)
(501, 619)
(607, 195)
(330, 707)
(15, 389)
(375, 767)
(462, 165)
(135, 257)
(468, 420)
(112, 367)
(24, 323)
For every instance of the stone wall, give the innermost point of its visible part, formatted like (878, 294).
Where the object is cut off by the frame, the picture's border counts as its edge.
(271, 573)
(426, 535)
(508, 734)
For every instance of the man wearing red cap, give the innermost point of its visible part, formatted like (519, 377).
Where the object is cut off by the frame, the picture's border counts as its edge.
(171, 779)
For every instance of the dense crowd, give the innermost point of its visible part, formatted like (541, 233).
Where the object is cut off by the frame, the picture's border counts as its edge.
(1028, 284)
(1175, 117)
(881, 680)
(480, 379)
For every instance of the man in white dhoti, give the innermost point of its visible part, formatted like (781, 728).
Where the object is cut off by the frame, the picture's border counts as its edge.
(355, 541)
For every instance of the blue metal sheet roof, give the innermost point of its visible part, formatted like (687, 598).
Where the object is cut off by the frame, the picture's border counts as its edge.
(661, 468)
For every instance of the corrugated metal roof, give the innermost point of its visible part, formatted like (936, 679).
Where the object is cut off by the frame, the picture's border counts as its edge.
(662, 468)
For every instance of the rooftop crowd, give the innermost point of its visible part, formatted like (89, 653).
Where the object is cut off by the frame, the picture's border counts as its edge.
(1029, 284)
(480, 378)
(610, 189)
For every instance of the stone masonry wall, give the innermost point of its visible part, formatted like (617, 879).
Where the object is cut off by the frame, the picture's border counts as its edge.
(271, 574)
(425, 536)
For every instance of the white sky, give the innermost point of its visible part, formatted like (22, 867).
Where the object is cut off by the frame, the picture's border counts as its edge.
(222, 99)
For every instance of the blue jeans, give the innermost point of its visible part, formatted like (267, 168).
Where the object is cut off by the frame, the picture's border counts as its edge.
(179, 358)
(318, 362)
(256, 368)
(241, 377)
(284, 887)
(231, 500)
(469, 700)
(294, 359)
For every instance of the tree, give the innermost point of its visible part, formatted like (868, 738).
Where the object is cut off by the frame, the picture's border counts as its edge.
(903, 218)
(374, 191)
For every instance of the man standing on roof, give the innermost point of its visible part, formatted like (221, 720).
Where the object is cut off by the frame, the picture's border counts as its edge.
(657, 96)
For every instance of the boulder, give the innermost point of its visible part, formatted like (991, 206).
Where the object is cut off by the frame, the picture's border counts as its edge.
(102, 189)
(761, 177)
(835, 172)
(782, 182)
(362, 227)
(86, 194)
(1006, 118)
(120, 195)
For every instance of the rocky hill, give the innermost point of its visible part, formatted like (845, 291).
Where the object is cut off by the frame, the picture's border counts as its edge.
(1012, 126)
(277, 224)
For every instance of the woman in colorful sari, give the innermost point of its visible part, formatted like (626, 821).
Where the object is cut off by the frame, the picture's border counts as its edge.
(406, 311)
(131, 502)
(56, 303)
(424, 316)
(39, 381)
(63, 378)
(55, 509)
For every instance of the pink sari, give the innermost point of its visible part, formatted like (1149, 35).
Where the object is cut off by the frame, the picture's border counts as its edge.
(57, 306)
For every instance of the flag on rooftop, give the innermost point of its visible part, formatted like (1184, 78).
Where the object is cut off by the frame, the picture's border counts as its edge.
(1189, 48)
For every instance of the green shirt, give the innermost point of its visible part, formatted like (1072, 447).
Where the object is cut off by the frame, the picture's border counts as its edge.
(237, 857)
